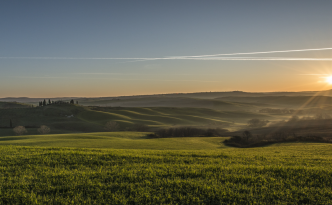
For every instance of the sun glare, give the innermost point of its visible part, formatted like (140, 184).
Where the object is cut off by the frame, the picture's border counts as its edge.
(329, 79)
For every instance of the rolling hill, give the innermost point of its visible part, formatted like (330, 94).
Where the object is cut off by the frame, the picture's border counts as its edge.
(66, 118)
(295, 102)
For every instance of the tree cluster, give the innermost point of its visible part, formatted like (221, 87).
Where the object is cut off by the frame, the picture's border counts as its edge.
(49, 102)
(249, 140)
(280, 111)
(317, 117)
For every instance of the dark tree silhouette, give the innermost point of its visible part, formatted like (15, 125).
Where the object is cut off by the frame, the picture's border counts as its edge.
(247, 135)
(44, 102)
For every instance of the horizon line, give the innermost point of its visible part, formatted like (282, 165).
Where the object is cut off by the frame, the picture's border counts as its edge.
(177, 93)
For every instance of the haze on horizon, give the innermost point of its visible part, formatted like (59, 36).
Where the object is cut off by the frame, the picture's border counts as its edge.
(116, 48)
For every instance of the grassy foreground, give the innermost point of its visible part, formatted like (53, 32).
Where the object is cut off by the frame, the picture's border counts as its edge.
(115, 140)
(292, 173)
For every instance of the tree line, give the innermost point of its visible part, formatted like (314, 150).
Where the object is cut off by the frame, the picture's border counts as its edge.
(280, 111)
(249, 140)
(49, 102)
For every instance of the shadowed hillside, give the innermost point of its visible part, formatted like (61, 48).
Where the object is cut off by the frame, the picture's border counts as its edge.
(8, 105)
(67, 118)
(163, 101)
(284, 101)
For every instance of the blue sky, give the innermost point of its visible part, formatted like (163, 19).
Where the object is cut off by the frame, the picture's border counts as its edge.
(54, 48)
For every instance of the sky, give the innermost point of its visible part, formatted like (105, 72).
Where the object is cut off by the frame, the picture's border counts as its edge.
(106, 48)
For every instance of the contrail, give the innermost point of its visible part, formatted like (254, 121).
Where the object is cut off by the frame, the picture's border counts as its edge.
(263, 52)
(184, 58)
(200, 57)
(264, 59)
(73, 58)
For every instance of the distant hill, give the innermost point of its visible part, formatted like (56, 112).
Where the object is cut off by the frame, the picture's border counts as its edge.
(200, 95)
(33, 100)
(166, 101)
(6, 105)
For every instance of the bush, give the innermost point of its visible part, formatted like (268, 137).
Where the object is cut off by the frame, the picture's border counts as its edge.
(44, 129)
(20, 130)
(112, 126)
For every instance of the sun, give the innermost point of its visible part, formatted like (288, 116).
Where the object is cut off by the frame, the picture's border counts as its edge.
(329, 79)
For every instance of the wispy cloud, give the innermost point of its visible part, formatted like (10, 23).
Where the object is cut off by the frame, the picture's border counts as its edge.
(184, 58)
(145, 74)
(260, 59)
(118, 79)
(72, 58)
(315, 74)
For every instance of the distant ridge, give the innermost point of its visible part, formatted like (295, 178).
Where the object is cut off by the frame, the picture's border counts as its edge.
(203, 95)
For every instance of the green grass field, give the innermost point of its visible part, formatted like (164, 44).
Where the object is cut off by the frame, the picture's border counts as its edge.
(89, 166)
(293, 173)
(114, 140)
